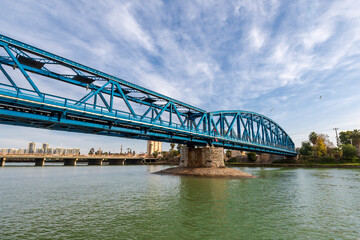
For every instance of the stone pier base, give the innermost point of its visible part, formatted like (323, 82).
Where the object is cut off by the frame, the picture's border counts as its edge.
(116, 161)
(70, 162)
(97, 162)
(204, 162)
(39, 162)
(211, 157)
(2, 162)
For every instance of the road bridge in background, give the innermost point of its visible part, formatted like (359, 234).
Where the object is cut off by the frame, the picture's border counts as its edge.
(40, 160)
(90, 101)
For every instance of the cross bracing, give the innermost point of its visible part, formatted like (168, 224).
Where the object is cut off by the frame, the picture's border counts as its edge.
(111, 106)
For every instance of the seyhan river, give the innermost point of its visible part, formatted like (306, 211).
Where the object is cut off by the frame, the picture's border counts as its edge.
(127, 202)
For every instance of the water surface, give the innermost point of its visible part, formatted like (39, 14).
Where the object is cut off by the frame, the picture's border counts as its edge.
(127, 202)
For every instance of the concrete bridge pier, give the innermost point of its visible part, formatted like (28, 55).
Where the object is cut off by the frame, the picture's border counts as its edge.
(70, 161)
(95, 161)
(39, 162)
(2, 162)
(116, 161)
(211, 157)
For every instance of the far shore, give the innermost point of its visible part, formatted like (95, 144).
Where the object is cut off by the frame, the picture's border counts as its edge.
(294, 165)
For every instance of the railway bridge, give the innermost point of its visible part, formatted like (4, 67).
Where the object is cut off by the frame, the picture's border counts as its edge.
(107, 105)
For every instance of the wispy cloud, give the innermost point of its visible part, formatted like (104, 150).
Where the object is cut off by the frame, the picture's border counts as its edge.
(275, 57)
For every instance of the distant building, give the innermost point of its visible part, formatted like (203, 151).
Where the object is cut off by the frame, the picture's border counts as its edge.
(49, 150)
(45, 147)
(75, 151)
(31, 148)
(59, 151)
(22, 151)
(153, 146)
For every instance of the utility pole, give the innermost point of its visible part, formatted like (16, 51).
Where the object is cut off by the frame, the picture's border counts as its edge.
(337, 138)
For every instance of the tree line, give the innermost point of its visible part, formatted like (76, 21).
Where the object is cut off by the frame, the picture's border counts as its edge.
(320, 149)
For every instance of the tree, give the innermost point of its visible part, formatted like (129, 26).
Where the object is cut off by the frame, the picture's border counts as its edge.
(349, 151)
(337, 152)
(172, 145)
(313, 137)
(306, 149)
(251, 156)
(356, 138)
(326, 140)
(228, 153)
(345, 137)
(155, 154)
(320, 147)
(92, 151)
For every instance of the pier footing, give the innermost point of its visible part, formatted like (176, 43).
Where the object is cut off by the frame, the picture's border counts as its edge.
(39, 162)
(204, 162)
(70, 162)
(97, 162)
(2, 162)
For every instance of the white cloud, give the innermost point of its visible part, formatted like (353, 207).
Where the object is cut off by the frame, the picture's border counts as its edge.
(124, 25)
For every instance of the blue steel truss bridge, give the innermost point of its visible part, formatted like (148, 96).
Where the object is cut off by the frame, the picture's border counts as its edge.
(111, 106)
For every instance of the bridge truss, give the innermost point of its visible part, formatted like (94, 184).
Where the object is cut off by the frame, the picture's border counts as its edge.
(107, 105)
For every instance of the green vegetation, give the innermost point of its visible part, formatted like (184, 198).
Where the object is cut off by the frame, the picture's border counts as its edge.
(155, 154)
(319, 149)
(349, 152)
(251, 156)
(228, 153)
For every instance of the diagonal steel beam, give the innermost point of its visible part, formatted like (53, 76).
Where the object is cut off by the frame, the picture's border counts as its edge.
(9, 78)
(22, 70)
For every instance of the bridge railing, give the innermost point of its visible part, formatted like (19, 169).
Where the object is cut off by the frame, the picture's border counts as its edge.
(31, 95)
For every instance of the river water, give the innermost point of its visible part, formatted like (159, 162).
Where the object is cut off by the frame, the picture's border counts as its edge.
(127, 202)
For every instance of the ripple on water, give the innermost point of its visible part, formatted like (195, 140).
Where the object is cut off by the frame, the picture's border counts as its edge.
(129, 203)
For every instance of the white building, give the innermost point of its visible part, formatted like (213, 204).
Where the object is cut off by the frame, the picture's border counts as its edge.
(153, 146)
(31, 148)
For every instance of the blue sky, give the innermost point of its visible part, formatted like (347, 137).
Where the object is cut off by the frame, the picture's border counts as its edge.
(272, 57)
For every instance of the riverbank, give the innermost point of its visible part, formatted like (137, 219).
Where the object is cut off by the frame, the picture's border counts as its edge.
(295, 165)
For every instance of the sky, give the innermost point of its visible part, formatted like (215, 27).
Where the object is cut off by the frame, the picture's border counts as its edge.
(297, 62)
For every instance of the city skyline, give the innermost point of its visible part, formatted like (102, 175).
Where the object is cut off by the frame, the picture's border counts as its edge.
(44, 149)
(295, 62)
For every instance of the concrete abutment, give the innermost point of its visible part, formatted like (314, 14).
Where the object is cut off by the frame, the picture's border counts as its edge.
(2, 162)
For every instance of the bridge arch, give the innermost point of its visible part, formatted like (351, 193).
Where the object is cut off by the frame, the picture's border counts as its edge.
(249, 128)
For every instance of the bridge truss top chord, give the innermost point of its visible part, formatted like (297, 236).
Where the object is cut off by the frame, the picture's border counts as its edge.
(112, 106)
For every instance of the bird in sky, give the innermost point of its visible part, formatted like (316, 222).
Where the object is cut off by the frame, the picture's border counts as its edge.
(320, 97)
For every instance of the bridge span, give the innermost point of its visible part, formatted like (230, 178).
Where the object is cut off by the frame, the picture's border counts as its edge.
(107, 105)
(40, 160)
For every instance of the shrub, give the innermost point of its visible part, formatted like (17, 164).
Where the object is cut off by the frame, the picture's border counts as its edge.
(349, 151)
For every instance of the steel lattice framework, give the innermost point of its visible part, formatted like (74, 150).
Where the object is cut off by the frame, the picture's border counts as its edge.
(115, 107)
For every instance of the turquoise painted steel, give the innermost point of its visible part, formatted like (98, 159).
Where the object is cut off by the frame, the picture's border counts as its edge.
(147, 115)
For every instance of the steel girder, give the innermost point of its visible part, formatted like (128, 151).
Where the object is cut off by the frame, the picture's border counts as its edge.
(148, 115)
